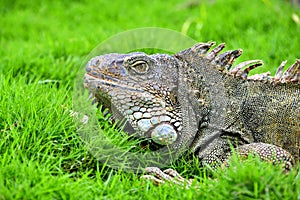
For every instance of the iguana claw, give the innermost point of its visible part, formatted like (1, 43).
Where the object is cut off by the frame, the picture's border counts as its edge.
(169, 175)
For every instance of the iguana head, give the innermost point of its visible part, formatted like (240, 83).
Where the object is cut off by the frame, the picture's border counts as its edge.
(140, 88)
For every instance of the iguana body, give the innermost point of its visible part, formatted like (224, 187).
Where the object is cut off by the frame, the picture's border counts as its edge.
(195, 102)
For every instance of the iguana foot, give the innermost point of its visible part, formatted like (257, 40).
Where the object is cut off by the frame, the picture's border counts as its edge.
(268, 152)
(169, 175)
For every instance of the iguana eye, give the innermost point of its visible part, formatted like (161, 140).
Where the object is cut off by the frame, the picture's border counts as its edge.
(140, 66)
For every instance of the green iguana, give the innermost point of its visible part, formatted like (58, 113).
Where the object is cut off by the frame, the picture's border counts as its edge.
(196, 102)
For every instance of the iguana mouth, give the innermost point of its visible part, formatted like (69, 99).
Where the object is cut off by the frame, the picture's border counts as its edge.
(102, 82)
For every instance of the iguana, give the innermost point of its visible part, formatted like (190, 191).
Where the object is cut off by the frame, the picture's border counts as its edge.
(195, 101)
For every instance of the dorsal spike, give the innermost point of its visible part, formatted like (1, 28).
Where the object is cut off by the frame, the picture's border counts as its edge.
(290, 72)
(236, 54)
(197, 49)
(244, 73)
(279, 71)
(296, 77)
(237, 68)
(225, 60)
(211, 55)
(203, 48)
(200, 48)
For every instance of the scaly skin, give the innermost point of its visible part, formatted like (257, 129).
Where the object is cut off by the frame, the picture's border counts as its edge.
(194, 101)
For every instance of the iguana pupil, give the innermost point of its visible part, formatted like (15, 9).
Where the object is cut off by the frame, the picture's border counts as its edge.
(140, 66)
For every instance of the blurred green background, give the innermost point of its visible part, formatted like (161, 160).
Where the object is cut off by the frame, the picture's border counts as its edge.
(41, 155)
(47, 38)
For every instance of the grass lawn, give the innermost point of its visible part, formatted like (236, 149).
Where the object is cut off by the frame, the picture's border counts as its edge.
(42, 46)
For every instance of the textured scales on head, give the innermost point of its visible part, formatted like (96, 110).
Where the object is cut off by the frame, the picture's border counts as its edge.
(195, 100)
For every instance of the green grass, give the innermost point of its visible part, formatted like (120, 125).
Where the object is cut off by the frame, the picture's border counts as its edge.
(41, 154)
